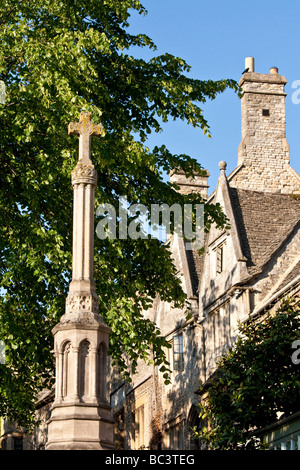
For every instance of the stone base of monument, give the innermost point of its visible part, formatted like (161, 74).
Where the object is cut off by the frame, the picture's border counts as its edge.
(80, 427)
(81, 415)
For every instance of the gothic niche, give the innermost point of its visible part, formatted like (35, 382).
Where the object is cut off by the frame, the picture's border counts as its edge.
(102, 366)
(66, 370)
(84, 363)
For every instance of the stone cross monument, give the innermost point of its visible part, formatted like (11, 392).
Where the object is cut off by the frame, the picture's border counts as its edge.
(81, 416)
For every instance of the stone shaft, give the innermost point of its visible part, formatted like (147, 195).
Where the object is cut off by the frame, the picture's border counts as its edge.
(84, 180)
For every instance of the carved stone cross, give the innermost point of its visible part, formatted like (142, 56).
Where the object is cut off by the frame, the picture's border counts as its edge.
(80, 416)
(85, 129)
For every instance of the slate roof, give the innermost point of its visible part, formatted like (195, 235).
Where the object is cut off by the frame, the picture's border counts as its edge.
(195, 264)
(264, 222)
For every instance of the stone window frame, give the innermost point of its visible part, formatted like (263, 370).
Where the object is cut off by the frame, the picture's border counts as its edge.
(138, 420)
(174, 433)
(170, 354)
(219, 250)
(290, 443)
(178, 364)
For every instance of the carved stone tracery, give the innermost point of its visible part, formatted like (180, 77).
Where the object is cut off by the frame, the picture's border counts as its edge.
(78, 303)
(84, 173)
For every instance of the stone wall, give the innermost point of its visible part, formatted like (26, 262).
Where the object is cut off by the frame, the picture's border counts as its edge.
(278, 269)
(198, 183)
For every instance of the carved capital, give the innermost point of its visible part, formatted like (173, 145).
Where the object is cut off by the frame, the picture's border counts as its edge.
(82, 303)
(84, 173)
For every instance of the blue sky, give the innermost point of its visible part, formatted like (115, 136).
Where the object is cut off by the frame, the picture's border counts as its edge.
(214, 38)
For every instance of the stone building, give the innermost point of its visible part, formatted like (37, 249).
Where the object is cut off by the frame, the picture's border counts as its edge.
(243, 272)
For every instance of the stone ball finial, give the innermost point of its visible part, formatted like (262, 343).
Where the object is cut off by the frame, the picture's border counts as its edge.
(222, 165)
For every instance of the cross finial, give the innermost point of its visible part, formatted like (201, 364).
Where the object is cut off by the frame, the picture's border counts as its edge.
(85, 129)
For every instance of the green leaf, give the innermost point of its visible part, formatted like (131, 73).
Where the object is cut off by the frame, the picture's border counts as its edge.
(56, 59)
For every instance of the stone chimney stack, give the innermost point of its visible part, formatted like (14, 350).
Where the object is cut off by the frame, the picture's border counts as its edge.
(196, 184)
(263, 119)
(249, 64)
(263, 154)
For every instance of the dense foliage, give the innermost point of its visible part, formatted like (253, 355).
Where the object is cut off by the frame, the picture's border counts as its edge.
(58, 57)
(255, 382)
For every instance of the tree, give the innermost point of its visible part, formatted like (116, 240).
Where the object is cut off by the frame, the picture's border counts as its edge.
(57, 58)
(253, 382)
